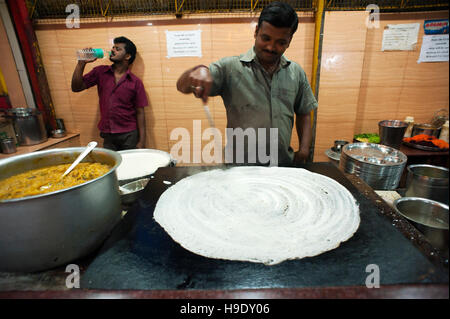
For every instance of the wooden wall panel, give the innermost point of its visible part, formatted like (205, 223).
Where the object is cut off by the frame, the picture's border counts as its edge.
(9, 71)
(393, 84)
(168, 109)
(382, 68)
(359, 84)
(147, 65)
(227, 41)
(374, 103)
(56, 77)
(340, 78)
(422, 102)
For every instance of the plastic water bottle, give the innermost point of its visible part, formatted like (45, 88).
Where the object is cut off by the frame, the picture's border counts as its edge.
(444, 132)
(410, 121)
(89, 54)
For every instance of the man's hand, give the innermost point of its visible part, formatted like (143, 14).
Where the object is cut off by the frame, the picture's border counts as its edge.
(197, 80)
(89, 60)
(301, 156)
(77, 77)
(140, 117)
(140, 145)
(303, 124)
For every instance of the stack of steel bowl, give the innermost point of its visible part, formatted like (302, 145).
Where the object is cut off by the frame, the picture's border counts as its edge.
(380, 166)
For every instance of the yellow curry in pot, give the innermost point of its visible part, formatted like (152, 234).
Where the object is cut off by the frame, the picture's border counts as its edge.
(48, 179)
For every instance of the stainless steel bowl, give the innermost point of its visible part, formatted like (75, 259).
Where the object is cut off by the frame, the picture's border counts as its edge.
(428, 216)
(426, 129)
(48, 230)
(338, 144)
(132, 191)
(59, 133)
(427, 181)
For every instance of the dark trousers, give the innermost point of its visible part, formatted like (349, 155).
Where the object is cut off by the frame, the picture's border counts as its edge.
(120, 141)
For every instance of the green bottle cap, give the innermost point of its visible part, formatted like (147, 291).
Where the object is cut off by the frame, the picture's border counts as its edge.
(98, 53)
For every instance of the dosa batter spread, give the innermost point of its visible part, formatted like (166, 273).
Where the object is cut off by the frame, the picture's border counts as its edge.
(258, 214)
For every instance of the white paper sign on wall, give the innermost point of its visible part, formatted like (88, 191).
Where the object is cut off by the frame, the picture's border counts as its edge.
(184, 43)
(400, 37)
(434, 48)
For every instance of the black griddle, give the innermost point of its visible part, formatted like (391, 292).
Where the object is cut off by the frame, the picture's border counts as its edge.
(140, 255)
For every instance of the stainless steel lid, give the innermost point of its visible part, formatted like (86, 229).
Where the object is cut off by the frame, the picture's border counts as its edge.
(23, 111)
(7, 140)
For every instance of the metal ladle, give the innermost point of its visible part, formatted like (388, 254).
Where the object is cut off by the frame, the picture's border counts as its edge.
(80, 157)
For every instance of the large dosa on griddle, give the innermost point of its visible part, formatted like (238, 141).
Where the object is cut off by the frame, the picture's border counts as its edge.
(258, 214)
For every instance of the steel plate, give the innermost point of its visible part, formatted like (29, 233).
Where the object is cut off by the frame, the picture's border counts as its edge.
(333, 155)
(425, 148)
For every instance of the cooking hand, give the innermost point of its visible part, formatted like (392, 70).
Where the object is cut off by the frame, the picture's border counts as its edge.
(200, 82)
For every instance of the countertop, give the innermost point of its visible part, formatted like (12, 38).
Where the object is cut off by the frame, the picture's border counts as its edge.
(33, 148)
(410, 151)
(429, 280)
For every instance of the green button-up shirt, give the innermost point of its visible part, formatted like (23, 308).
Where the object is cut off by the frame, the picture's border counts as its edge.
(253, 99)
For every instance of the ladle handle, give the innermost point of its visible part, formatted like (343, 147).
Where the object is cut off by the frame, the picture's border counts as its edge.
(208, 115)
(89, 148)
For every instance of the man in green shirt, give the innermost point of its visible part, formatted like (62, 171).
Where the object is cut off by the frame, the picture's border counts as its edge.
(261, 89)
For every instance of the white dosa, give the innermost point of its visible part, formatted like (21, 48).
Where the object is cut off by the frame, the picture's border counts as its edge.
(258, 214)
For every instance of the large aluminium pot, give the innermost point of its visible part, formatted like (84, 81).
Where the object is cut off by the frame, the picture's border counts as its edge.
(28, 125)
(48, 230)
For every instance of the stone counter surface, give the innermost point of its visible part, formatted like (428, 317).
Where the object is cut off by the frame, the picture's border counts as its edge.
(52, 284)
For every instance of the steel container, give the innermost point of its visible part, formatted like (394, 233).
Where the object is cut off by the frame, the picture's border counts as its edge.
(392, 132)
(7, 129)
(7, 145)
(426, 129)
(28, 125)
(132, 191)
(427, 181)
(428, 216)
(380, 166)
(48, 230)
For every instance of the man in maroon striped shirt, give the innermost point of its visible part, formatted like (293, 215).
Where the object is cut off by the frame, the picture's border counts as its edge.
(121, 95)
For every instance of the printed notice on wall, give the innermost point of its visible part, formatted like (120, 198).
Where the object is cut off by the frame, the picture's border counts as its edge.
(184, 43)
(400, 37)
(434, 48)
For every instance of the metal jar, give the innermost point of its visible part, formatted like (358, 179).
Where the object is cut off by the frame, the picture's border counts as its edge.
(426, 129)
(380, 166)
(7, 145)
(7, 130)
(28, 125)
(427, 181)
(48, 230)
(392, 132)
